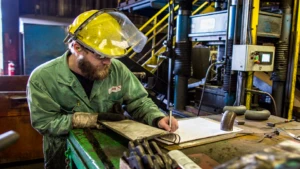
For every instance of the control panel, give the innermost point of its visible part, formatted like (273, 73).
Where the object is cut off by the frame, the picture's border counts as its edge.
(253, 58)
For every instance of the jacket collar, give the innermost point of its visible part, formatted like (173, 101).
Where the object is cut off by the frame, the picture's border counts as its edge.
(65, 76)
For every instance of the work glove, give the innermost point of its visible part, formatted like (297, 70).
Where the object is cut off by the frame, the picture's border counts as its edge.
(89, 120)
(116, 114)
(85, 120)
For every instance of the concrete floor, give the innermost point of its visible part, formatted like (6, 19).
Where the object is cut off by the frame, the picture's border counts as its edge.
(34, 164)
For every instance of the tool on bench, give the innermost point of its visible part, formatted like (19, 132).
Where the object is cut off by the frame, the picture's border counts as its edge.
(296, 137)
(145, 155)
(269, 135)
(227, 120)
(270, 124)
(290, 128)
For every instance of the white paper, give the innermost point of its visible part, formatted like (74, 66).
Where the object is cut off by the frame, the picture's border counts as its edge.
(199, 128)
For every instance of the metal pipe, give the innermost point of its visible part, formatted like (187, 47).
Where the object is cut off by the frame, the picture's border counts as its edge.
(230, 78)
(290, 60)
(254, 23)
(245, 22)
(241, 82)
(8, 138)
(257, 115)
(183, 48)
(239, 110)
(170, 53)
(281, 57)
(277, 92)
(294, 74)
(227, 121)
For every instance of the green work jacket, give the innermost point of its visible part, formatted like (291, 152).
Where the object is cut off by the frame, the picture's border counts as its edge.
(54, 94)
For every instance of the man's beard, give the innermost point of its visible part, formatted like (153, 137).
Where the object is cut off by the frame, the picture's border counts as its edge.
(91, 72)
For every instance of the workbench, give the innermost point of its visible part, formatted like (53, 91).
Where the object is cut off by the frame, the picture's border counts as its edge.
(82, 154)
(14, 115)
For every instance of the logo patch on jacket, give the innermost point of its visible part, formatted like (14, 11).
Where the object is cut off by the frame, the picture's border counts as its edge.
(114, 89)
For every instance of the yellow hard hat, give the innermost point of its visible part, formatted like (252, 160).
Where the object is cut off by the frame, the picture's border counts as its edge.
(108, 33)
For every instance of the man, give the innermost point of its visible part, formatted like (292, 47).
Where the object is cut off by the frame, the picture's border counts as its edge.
(80, 87)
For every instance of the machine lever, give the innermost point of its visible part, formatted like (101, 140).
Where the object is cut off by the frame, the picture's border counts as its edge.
(147, 147)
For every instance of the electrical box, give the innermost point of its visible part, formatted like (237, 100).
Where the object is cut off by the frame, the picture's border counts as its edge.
(253, 58)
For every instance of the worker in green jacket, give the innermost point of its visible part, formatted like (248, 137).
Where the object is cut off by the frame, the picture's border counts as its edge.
(81, 86)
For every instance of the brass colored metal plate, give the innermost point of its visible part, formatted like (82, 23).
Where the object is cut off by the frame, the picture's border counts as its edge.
(133, 130)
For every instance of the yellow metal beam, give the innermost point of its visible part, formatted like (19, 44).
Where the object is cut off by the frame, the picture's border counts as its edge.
(160, 22)
(296, 55)
(155, 16)
(155, 26)
(254, 23)
(199, 8)
(153, 43)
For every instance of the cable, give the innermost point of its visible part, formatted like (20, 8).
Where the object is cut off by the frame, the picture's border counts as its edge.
(203, 89)
(156, 79)
(173, 139)
(261, 92)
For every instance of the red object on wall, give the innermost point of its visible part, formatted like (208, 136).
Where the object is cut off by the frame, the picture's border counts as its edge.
(11, 68)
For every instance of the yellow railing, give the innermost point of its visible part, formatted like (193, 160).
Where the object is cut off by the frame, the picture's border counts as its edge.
(153, 31)
(163, 49)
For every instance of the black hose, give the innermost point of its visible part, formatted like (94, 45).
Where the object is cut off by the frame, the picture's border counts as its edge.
(261, 92)
(204, 84)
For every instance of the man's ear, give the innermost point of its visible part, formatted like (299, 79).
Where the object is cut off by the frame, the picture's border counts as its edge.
(77, 47)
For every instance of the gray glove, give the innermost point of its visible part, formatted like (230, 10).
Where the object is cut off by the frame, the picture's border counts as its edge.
(85, 120)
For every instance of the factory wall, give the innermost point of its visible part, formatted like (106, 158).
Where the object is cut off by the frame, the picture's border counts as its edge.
(10, 27)
(13, 9)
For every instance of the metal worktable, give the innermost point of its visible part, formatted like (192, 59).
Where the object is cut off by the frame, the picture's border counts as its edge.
(83, 155)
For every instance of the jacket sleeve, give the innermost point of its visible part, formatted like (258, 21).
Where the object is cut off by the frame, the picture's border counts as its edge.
(138, 105)
(45, 113)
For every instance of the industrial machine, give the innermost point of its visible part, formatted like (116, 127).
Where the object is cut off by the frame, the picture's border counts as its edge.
(242, 40)
(221, 38)
(213, 59)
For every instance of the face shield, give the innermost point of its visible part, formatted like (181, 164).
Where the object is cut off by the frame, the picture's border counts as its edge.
(108, 33)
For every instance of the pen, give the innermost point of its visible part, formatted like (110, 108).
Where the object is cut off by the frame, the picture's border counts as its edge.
(170, 119)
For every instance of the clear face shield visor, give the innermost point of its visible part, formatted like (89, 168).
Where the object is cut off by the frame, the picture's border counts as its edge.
(109, 33)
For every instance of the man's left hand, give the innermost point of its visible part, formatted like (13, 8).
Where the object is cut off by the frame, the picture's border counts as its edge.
(164, 124)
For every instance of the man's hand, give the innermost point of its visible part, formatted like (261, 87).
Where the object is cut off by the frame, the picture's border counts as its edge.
(164, 124)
